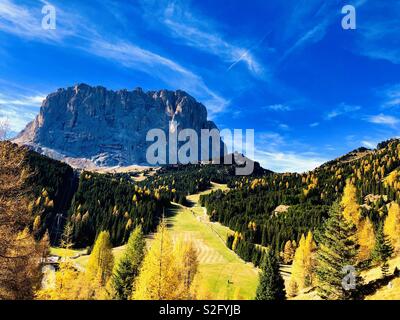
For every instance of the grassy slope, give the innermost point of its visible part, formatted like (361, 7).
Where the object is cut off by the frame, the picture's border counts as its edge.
(217, 264)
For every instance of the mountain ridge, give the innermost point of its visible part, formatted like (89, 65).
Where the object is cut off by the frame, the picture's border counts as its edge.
(91, 125)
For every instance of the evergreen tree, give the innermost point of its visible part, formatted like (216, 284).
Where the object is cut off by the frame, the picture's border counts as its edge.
(337, 250)
(383, 250)
(271, 285)
(128, 267)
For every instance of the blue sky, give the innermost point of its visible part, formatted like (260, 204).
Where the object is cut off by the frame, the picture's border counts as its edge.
(311, 90)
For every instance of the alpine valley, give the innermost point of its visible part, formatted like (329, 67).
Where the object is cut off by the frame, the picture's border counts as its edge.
(76, 187)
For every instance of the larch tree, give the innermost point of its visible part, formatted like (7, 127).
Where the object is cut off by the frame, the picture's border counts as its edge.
(99, 268)
(392, 226)
(128, 267)
(366, 239)
(20, 255)
(303, 265)
(349, 203)
(271, 285)
(337, 250)
(158, 277)
(383, 250)
(288, 252)
(186, 261)
(365, 229)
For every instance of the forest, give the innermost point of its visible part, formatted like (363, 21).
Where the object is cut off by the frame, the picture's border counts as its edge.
(275, 219)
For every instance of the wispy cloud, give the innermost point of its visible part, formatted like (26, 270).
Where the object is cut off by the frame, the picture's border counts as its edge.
(25, 23)
(342, 109)
(278, 107)
(379, 41)
(288, 161)
(391, 96)
(383, 120)
(21, 101)
(369, 144)
(200, 33)
(19, 110)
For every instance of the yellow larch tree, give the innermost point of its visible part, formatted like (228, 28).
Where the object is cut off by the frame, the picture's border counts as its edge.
(289, 251)
(392, 226)
(187, 262)
(158, 278)
(365, 229)
(303, 265)
(351, 208)
(366, 239)
(99, 268)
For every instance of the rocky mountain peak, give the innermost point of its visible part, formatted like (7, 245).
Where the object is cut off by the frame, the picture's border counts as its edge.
(106, 127)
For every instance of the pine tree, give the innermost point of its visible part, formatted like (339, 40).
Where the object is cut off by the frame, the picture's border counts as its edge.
(383, 250)
(392, 226)
(128, 267)
(337, 249)
(271, 285)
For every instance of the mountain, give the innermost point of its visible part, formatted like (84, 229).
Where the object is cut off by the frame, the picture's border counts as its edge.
(91, 126)
(306, 197)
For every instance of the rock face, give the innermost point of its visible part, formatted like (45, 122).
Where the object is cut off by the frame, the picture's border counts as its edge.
(108, 128)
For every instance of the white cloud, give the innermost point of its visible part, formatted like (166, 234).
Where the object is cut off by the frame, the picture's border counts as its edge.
(379, 40)
(198, 32)
(383, 119)
(369, 144)
(342, 109)
(26, 23)
(314, 124)
(288, 161)
(392, 96)
(278, 107)
(22, 101)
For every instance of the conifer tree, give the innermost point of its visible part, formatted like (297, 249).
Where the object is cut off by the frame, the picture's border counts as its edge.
(271, 285)
(128, 267)
(349, 203)
(288, 252)
(383, 250)
(186, 261)
(392, 226)
(99, 267)
(366, 239)
(303, 265)
(337, 249)
(158, 277)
